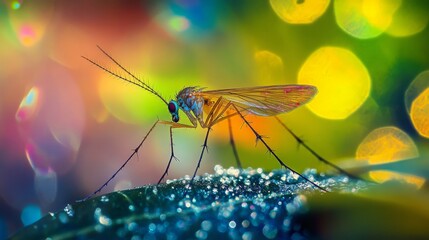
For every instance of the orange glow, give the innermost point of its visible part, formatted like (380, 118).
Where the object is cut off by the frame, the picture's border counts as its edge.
(416, 87)
(388, 144)
(420, 113)
(383, 176)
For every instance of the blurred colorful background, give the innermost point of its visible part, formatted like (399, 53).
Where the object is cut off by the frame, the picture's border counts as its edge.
(66, 126)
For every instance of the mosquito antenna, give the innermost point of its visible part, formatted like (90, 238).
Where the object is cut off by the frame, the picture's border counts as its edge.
(132, 75)
(139, 82)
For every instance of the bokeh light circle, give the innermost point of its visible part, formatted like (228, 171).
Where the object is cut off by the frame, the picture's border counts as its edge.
(30, 214)
(365, 19)
(341, 78)
(409, 19)
(51, 120)
(384, 145)
(178, 23)
(28, 106)
(416, 87)
(420, 113)
(29, 20)
(13, 4)
(269, 67)
(299, 12)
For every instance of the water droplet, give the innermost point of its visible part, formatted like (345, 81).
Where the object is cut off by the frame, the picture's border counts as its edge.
(104, 199)
(187, 203)
(152, 228)
(102, 219)
(269, 231)
(233, 171)
(69, 210)
(232, 224)
(247, 236)
(132, 208)
(132, 226)
(219, 170)
(206, 225)
(200, 234)
(245, 223)
(247, 182)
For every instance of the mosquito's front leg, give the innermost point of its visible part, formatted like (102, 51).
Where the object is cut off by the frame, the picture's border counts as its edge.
(175, 125)
(171, 156)
(123, 165)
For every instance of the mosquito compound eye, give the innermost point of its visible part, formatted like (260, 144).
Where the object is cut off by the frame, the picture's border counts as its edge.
(172, 107)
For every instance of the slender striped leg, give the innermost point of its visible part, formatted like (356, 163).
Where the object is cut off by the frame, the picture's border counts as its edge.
(260, 138)
(122, 166)
(171, 156)
(314, 153)
(232, 142)
(201, 156)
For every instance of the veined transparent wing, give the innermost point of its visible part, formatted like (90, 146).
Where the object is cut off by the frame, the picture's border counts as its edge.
(264, 100)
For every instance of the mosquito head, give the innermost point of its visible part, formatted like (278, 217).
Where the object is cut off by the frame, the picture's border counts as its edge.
(173, 108)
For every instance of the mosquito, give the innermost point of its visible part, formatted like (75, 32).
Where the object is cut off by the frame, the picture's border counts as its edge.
(209, 107)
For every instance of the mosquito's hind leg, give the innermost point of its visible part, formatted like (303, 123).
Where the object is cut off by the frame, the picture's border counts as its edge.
(314, 153)
(260, 138)
(123, 165)
(232, 142)
(171, 156)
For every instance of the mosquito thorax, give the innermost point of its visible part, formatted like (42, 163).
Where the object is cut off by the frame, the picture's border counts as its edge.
(173, 108)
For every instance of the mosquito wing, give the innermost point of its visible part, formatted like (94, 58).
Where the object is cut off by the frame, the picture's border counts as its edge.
(266, 100)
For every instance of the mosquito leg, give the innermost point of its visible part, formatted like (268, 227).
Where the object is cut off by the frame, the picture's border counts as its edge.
(201, 156)
(259, 138)
(234, 148)
(171, 156)
(314, 153)
(123, 165)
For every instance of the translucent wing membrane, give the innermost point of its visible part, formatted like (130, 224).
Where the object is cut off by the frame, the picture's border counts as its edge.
(265, 100)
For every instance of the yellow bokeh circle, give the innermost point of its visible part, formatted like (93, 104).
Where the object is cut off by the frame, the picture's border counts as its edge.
(385, 145)
(415, 88)
(269, 67)
(420, 113)
(341, 78)
(299, 11)
(365, 19)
